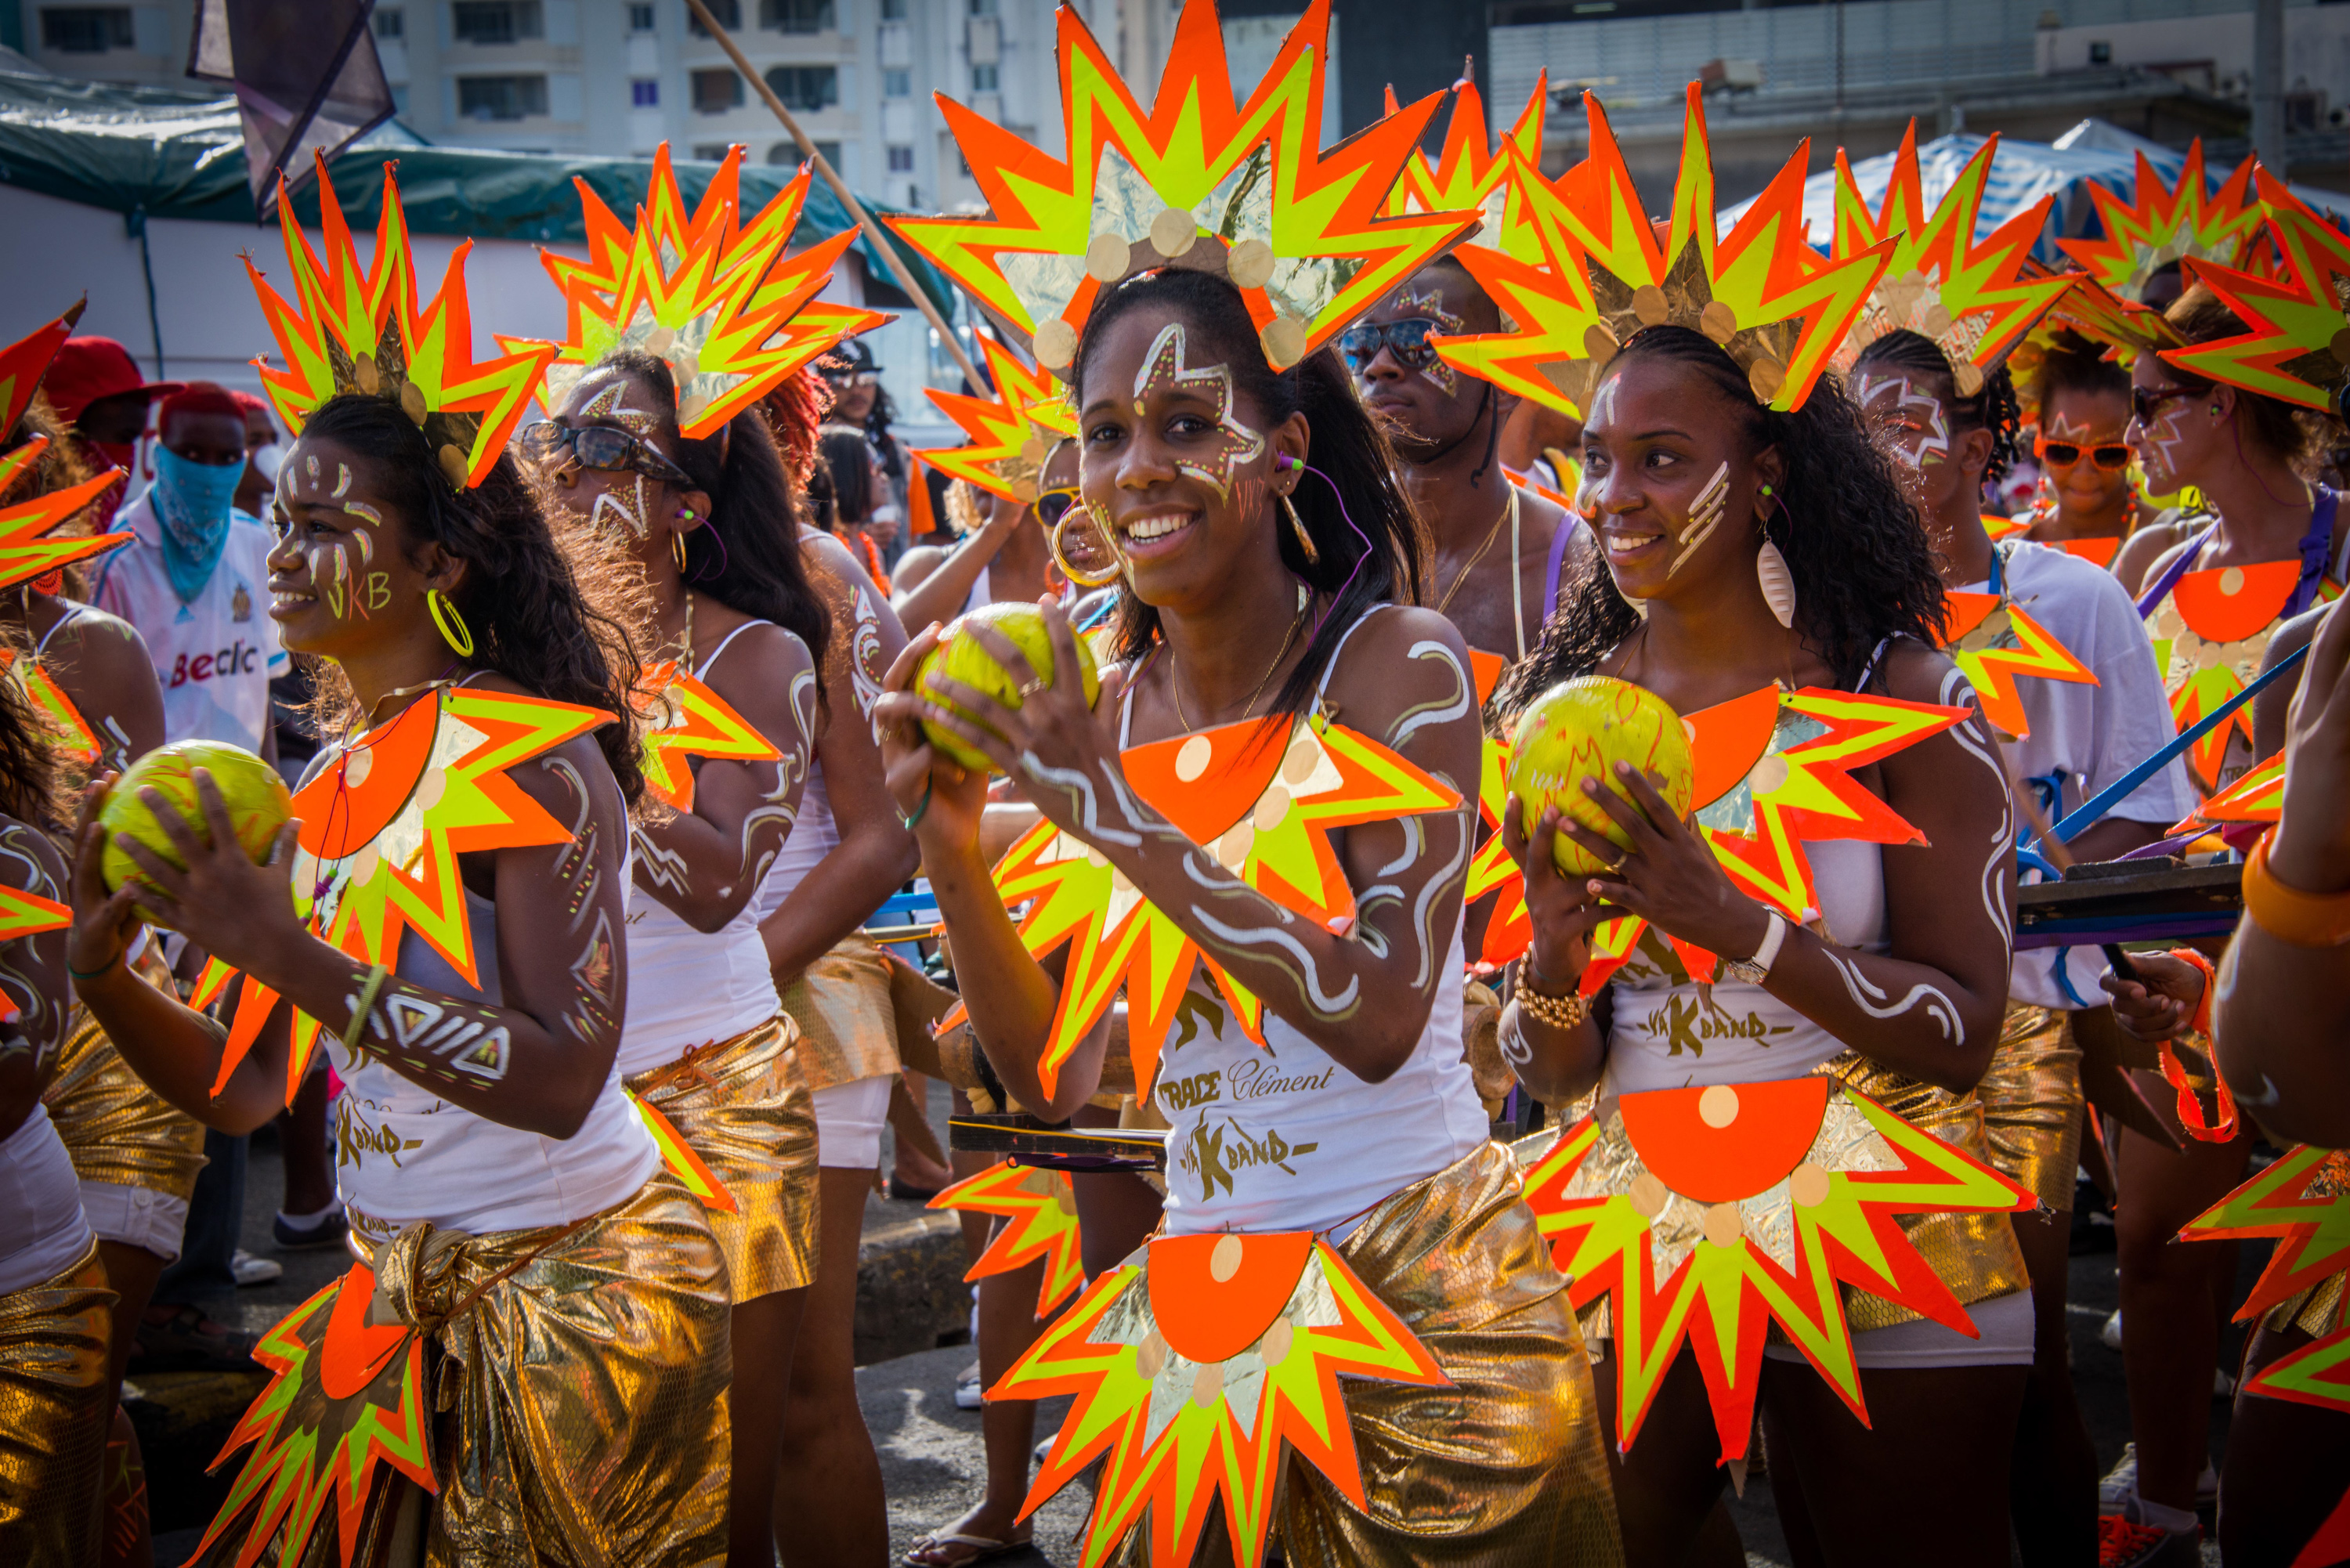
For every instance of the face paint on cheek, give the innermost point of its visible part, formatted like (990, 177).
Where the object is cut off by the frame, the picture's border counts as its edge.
(1910, 423)
(1165, 370)
(1705, 515)
(342, 480)
(631, 518)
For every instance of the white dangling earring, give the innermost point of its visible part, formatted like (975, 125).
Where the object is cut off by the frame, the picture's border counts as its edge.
(1778, 583)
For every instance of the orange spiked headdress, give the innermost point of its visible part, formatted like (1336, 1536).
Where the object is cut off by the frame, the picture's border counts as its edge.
(1775, 306)
(2297, 346)
(25, 551)
(2163, 225)
(24, 362)
(716, 299)
(1196, 182)
(1471, 172)
(351, 328)
(1011, 433)
(1973, 300)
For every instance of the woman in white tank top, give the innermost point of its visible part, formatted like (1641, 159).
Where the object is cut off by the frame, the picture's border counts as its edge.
(1265, 662)
(1894, 981)
(527, 1268)
(706, 1044)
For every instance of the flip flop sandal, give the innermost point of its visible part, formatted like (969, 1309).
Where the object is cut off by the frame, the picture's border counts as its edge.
(982, 1549)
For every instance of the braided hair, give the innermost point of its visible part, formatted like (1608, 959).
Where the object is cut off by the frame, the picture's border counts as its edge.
(1994, 407)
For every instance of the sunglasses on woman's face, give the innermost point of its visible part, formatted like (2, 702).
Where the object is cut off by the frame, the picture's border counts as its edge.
(1054, 504)
(2111, 456)
(2147, 402)
(599, 447)
(1405, 339)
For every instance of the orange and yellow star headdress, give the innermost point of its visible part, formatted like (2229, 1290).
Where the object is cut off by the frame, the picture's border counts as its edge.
(1011, 433)
(353, 328)
(1195, 181)
(2165, 223)
(24, 362)
(25, 550)
(716, 299)
(2296, 345)
(1471, 172)
(1777, 306)
(1973, 300)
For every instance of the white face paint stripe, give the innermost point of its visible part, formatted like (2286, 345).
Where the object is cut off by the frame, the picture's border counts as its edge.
(1705, 515)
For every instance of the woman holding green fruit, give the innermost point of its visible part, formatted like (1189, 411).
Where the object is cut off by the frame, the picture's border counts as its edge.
(1264, 546)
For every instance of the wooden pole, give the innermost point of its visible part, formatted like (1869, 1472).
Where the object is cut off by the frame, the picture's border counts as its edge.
(872, 227)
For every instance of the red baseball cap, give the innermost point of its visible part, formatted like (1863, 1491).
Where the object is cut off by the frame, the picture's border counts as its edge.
(89, 369)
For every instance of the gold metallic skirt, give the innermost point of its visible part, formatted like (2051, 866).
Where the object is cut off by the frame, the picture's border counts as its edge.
(741, 1104)
(1975, 1255)
(54, 1416)
(117, 1128)
(2031, 1103)
(848, 1027)
(1506, 1466)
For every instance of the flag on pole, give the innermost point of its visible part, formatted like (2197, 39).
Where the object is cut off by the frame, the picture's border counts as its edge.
(306, 76)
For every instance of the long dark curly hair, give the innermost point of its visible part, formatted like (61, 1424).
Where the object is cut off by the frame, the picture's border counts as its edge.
(1863, 569)
(1994, 407)
(538, 616)
(747, 555)
(33, 786)
(1375, 559)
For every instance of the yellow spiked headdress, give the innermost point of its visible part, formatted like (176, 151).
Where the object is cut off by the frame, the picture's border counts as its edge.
(1195, 183)
(1775, 306)
(351, 328)
(1471, 172)
(717, 299)
(1973, 300)
(25, 551)
(2163, 225)
(2297, 346)
(24, 362)
(1011, 433)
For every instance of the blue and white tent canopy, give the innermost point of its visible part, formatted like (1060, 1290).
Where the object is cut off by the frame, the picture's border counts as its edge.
(2021, 173)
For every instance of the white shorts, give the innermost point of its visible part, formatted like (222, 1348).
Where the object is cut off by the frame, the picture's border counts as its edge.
(137, 1216)
(849, 1118)
(2005, 1323)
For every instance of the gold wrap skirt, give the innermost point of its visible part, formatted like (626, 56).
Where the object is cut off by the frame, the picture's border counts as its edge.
(848, 1026)
(1503, 1468)
(117, 1128)
(743, 1106)
(2031, 1103)
(54, 1412)
(1975, 1255)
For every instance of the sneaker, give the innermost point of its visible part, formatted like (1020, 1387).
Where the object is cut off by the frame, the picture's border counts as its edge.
(2119, 1489)
(969, 1394)
(179, 1345)
(2112, 1332)
(2126, 1541)
(251, 1271)
(310, 1233)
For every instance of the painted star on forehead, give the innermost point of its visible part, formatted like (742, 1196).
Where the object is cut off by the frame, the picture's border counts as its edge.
(1262, 809)
(382, 829)
(1233, 443)
(1041, 1209)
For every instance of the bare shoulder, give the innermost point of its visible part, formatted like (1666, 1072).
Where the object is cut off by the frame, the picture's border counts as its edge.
(1915, 672)
(827, 557)
(915, 567)
(2146, 551)
(101, 642)
(1402, 660)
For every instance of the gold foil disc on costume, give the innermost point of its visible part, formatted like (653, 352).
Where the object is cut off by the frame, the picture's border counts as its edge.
(364, 374)
(1107, 258)
(1284, 342)
(1250, 265)
(2342, 346)
(1192, 760)
(1648, 305)
(411, 403)
(1969, 378)
(1765, 377)
(1599, 343)
(452, 466)
(1056, 344)
(1718, 321)
(1573, 378)
(1172, 231)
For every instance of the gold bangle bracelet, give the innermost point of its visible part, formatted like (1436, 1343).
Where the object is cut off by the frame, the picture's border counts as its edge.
(1568, 1011)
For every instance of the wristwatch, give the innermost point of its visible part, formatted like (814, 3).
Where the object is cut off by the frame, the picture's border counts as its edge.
(1753, 971)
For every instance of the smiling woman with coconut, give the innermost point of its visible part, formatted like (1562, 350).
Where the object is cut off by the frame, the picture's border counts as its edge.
(1258, 831)
(1836, 914)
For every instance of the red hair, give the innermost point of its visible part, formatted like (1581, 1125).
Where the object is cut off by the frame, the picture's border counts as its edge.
(794, 411)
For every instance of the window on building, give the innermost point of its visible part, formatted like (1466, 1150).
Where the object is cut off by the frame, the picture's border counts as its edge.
(711, 151)
(983, 8)
(901, 160)
(501, 97)
(641, 18)
(391, 23)
(496, 21)
(786, 154)
(897, 82)
(86, 29)
(2101, 52)
(983, 79)
(796, 15)
(716, 91)
(805, 88)
(728, 14)
(644, 92)
(893, 10)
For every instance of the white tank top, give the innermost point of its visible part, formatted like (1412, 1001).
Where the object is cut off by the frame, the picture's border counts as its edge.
(42, 1231)
(1281, 1137)
(814, 837)
(689, 988)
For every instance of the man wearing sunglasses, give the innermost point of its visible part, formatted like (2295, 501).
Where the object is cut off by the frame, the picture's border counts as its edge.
(1500, 549)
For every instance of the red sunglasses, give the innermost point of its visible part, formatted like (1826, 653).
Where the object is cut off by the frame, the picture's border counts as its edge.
(2111, 456)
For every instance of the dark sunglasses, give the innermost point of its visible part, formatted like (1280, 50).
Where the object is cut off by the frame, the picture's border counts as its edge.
(1054, 504)
(2146, 402)
(598, 447)
(2111, 456)
(1405, 339)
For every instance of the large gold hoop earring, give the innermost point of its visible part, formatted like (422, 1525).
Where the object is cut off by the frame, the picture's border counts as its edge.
(677, 551)
(453, 630)
(1092, 577)
(1297, 526)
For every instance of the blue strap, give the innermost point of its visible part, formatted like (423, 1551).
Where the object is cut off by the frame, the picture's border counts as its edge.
(2064, 979)
(2122, 787)
(2180, 564)
(2316, 544)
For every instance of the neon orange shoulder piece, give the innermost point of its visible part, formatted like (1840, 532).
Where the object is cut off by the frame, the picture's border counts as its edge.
(1042, 1210)
(684, 718)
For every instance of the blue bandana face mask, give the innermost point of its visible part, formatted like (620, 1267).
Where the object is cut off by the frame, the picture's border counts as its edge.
(192, 502)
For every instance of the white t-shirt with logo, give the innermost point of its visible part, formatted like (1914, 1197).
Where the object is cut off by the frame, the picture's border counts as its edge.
(213, 658)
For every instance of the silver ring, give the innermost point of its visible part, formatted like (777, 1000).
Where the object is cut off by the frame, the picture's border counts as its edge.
(1031, 687)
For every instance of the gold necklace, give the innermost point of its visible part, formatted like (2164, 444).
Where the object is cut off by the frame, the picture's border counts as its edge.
(1491, 535)
(1175, 685)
